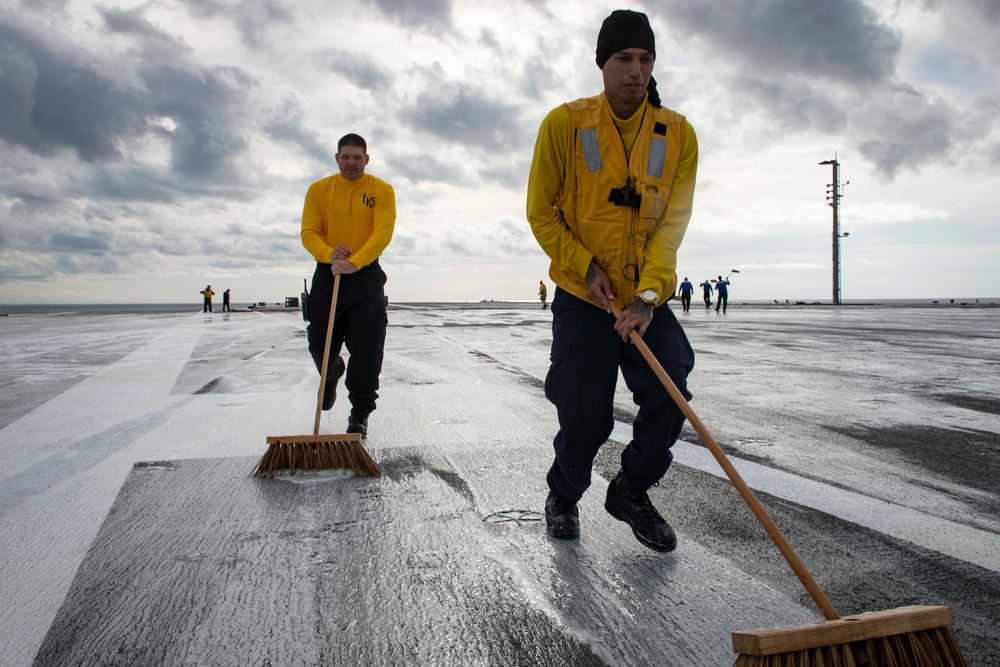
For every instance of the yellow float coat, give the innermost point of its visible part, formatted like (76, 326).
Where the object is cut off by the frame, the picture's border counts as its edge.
(583, 152)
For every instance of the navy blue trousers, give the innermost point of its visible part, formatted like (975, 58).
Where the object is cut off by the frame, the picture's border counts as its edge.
(586, 356)
(360, 324)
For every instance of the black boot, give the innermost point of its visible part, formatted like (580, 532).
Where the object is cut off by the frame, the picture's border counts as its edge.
(358, 423)
(330, 388)
(329, 394)
(628, 503)
(562, 518)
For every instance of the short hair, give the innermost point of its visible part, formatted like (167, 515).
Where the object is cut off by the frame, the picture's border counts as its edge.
(352, 140)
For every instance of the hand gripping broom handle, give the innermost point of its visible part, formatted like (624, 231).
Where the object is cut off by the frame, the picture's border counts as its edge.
(326, 353)
(763, 517)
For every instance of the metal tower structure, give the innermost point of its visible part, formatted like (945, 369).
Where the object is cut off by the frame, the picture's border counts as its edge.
(834, 192)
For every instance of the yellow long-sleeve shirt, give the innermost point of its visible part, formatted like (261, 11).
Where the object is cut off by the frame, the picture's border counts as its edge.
(360, 215)
(551, 199)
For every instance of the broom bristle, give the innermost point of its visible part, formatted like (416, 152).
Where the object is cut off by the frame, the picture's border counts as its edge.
(827, 656)
(915, 636)
(925, 648)
(307, 453)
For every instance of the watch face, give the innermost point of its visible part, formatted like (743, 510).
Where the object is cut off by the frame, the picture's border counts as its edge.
(649, 295)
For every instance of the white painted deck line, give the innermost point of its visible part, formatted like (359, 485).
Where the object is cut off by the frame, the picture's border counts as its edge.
(946, 537)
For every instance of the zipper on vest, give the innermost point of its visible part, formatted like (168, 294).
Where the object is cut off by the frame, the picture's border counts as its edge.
(630, 270)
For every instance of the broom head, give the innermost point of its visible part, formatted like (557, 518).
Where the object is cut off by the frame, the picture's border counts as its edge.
(916, 636)
(309, 453)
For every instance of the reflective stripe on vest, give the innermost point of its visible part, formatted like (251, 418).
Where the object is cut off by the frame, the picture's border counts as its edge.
(592, 152)
(588, 139)
(657, 156)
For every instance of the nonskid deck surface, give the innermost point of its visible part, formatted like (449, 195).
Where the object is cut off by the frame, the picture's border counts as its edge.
(870, 452)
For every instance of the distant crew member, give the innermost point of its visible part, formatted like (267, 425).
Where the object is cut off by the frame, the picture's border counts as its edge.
(706, 292)
(686, 289)
(722, 287)
(543, 293)
(225, 302)
(208, 294)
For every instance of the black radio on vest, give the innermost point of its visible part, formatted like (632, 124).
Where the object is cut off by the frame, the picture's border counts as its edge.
(625, 196)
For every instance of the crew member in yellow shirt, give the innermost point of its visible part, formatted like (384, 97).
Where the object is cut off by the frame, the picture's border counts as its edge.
(609, 198)
(208, 294)
(347, 222)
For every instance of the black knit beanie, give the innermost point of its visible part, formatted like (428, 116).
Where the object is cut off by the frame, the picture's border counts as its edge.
(625, 29)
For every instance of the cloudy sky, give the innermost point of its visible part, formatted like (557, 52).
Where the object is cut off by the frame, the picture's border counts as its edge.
(150, 147)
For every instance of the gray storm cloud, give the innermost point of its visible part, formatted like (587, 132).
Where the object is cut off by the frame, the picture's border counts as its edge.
(827, 67)
(841, 41)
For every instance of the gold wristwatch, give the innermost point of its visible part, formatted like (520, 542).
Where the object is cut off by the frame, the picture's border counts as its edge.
(648, 296)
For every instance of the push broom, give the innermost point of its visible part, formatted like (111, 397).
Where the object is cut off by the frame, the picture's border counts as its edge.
(301, 453)
(915, 636)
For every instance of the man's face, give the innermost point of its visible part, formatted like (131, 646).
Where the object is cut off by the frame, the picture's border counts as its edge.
(352, 161)
(626, 75)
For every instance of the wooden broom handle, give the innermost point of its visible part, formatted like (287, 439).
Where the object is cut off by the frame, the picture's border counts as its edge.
(326, 353)
(755, 506)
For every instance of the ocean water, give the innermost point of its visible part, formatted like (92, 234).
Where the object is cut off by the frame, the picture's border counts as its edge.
(141, 308)
(98, 308)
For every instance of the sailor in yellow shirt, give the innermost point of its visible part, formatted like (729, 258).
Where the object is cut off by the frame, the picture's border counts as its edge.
(347, 222)
(543, 293)
(208, 294)
(609, 199)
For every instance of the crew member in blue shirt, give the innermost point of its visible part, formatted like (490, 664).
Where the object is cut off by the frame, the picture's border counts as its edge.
(706, 292)
(722, 287)
(686, 289)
